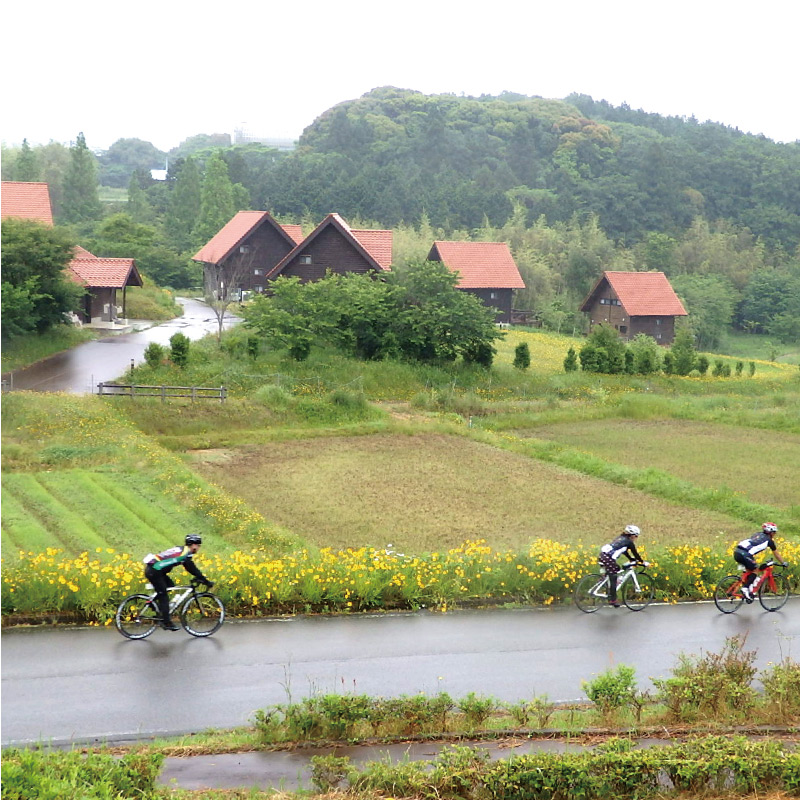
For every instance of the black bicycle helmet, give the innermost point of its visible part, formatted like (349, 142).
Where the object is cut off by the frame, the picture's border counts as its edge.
(193, 538)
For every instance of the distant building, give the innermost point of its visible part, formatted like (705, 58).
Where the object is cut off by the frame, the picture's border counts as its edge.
(101, 277)
(243, 135)
(633, 303)
(485, 269)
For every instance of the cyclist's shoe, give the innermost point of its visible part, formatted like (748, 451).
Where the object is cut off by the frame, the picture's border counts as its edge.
(169, 625)
(747, 594)
(615, 604)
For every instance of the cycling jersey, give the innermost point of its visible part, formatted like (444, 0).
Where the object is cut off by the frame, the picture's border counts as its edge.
(622, 544)
(756, 543)
(169, 559)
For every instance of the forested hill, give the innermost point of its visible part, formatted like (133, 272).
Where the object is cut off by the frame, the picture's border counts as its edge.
(394, 153)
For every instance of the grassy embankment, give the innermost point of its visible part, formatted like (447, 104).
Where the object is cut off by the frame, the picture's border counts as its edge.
(333, 454)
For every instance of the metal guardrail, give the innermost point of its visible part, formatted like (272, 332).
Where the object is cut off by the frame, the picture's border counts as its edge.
(164, 392)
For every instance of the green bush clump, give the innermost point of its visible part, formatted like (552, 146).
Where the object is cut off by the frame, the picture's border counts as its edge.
(711, 685)
(56, 775)
(613, 689)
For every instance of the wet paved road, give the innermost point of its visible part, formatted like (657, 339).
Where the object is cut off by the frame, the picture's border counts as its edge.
(85, 684)
(78, 371)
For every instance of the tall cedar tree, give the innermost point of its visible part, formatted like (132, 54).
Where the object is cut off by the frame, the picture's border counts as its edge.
(184, 206)
(27, 166)
(81, 202)
(216, 200)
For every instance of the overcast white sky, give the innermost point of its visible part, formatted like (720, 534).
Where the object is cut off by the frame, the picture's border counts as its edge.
(163, 71)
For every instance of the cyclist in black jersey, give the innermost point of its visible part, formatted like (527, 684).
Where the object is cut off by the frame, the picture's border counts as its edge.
(158, 565)
(609, 553)
(744, 553)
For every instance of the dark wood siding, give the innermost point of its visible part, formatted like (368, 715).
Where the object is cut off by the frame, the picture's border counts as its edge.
(501, 301)
(266, 247)
(662, 329)
(328, 251)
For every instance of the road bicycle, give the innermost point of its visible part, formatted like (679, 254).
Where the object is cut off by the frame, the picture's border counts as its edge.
(200, 613)
(634, 587)
(772, 589)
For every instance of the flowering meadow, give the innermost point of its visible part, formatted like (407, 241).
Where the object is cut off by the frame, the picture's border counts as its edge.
(89, 587)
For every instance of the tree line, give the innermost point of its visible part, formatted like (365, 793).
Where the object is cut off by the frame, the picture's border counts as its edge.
(576, 187)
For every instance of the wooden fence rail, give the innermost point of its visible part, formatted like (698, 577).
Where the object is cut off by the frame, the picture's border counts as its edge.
(164, 392)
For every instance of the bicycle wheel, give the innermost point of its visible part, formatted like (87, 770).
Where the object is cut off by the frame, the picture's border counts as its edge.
(637, 599)
(728, 596)
(773, 599)
(136, 617)
(202, 614)
(590, 592)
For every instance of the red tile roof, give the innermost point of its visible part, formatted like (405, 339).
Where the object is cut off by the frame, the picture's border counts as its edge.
(236, 229)
(112, 273)
(481, 265)
(374, 245)
(26, 201)
(642, 294)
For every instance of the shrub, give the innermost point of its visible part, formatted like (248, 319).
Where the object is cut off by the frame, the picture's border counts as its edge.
(571, 361)
(710, 685)
(327, 772)
(782, 688)
(179, 349)
(613, 689)
(154, 354)
(273, 396)
(522, 356)
(253, 346)
(476, 709)
(702, 364)
(739, 368)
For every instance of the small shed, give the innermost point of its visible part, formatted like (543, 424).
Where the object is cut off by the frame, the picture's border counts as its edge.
(633, 303)
(486, 269)
(103, 278)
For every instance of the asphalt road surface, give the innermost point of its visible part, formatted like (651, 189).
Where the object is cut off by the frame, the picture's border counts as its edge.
(88, 684)
(79, 370)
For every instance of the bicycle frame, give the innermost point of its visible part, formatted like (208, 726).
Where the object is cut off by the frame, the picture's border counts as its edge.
(627, 573)
(766, 576)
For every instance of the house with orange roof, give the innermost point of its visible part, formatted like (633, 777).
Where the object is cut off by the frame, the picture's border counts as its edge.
(247, 248)
(485, 269)
(26, 200)
(633, 303)
(333, 246)
(101, 277)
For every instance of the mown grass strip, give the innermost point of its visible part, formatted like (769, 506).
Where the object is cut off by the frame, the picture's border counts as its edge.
(21, 530)
(52, 514)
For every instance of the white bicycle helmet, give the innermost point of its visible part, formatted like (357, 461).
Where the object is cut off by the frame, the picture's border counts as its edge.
(769, 527)
(632, 530)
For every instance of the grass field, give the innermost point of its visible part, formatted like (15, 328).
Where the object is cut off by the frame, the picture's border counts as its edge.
(422, 492)
(762, 465)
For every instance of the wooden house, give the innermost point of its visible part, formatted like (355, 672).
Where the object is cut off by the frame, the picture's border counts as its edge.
(486, 269)
(633, 303)
(336, 247)
(247, 248)
(102, 278)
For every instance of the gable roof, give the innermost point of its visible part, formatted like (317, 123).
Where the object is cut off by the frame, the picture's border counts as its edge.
(23, 200)
(642, 294)
(113, 273)
(237, 229)
(481, 265)
(375, 246)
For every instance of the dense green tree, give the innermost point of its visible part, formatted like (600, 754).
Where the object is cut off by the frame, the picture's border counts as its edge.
(139, 208)
(184, 206)
(81, 201)
(604, 351)
(217, 205)
(126, 156)
(769, 293)
(710, 301)
(27, 167)
(36, 290)
(684, 355)
(646, 354)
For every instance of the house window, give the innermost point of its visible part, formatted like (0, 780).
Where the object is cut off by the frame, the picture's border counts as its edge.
(258, 289)
(245, 248)
(258, 272)
(658, 336)
(306, 259)
(493, 295)
(658, 322)
(608, 301)
(623, 328)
